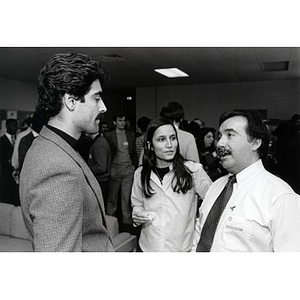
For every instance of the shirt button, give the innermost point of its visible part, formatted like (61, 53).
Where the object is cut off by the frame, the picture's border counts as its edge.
(230, 219)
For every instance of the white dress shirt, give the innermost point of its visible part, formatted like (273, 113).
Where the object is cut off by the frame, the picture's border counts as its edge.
(262, 215)
(173, 227)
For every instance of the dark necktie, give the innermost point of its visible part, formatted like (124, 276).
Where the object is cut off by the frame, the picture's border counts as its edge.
(212, 220)
(13, 139)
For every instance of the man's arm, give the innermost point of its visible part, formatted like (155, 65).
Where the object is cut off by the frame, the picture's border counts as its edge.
(56, 210)
(285, 225)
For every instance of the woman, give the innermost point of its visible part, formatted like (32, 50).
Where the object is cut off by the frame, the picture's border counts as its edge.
(164, 191)
(208, 154)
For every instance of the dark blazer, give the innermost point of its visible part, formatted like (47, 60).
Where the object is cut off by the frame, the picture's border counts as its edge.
(61, 199)
(8, 187)
(6, 149)
(100, 158)
(113, 143)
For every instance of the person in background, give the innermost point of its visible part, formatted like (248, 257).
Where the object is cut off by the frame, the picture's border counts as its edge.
(84, 144)
(61, 199)
(8, 186)
(15, 155)
(250, 209)
(37, 122)
(183, 125)
(124, 162)
(25, 124)
(142, 124)
(193, 128)
(175, 113)
(290, 171)
(200, 122)
(164, 191)
(103, 128)
(100, 162)
(278, 148)
(208, 153)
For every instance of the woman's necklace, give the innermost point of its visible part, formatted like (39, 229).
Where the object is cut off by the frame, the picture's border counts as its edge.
(161, 172)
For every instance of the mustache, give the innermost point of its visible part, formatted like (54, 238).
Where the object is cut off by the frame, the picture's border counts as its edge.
(98, 117)
(221, 151)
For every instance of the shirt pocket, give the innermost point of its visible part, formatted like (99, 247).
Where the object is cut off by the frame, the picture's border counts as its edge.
(238, 233)
(239, 225)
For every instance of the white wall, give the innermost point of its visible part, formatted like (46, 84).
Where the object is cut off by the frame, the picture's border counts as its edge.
(209, 101)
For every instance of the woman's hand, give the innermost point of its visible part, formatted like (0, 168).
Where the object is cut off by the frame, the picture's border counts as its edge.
(141, 217)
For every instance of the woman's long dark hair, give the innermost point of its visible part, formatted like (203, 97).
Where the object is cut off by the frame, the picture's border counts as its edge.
(182, 181)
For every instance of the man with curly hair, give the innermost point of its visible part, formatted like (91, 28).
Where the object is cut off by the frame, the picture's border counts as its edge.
(61, 199)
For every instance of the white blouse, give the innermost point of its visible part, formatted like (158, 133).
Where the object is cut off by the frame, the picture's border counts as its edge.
(173, 227)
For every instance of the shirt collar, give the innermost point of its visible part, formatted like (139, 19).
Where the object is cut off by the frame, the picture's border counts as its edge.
(69, 139)
(35, 134)
(8, 135)
(248, 173)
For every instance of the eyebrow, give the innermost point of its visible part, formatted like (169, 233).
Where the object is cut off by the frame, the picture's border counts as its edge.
(164, 135)
(97, 93)
(228, 130)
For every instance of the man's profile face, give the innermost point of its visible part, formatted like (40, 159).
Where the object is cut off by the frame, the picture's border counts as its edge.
(89, 111)
(234, 146)
(120, 123)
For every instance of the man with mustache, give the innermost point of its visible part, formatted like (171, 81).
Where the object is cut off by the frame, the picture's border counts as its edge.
(262, 212)
(61, 199)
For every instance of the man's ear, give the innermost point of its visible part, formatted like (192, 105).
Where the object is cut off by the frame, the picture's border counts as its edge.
(69, 101)
(256, 143)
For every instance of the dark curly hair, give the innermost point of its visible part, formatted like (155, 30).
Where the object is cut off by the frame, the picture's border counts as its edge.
(71, 73)
(182, 181)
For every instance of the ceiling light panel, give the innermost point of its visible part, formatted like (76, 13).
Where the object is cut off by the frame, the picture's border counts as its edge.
(171, 72)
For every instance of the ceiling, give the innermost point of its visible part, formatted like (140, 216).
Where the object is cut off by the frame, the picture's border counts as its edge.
(131, 67)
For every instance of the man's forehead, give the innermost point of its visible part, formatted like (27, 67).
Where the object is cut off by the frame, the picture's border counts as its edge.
(234, 123)
(96, 87)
